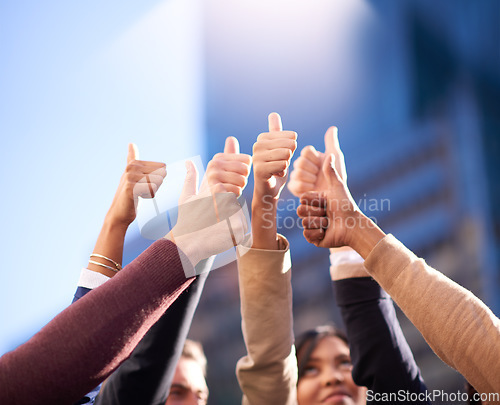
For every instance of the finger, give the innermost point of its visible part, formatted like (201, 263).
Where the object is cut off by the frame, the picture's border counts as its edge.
(330, 171)
(277, 135)
(303, 177)
(231, 188)
(313, 198)
(221, 165)
(190, 182)
(310, 153)
(314, 235)
(240, 157)
(161, 171)
(227, 178)
(139, 166)
(273, 155)
(304, 165)
(218, 188)
(313, 222)
(274, 120)
(145, 190)
(150, 178)
(267, 145)
(304, 211)
(268, 169)
(232, 145)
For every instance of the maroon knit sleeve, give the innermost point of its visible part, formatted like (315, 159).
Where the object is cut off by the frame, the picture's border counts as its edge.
(87, 341)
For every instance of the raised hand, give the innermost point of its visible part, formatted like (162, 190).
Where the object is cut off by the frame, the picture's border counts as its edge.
(328, 216)
(209, 222)
(231, 168)
(307, 173)
(140, 179)
(331, 218)
(272, 154)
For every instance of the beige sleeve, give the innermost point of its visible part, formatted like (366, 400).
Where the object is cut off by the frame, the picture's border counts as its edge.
(268, 373)
(458, 326)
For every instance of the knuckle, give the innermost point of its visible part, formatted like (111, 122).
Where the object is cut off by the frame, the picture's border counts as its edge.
(257, 147)
(131, 167)
(214, 165)
(262, 136)
(306, 150)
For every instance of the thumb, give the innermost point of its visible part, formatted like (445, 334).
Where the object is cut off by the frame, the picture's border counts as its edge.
(133, 152)
(232, 145)
(274, 122)
(330, 172)
(190, 182)
(331, 140)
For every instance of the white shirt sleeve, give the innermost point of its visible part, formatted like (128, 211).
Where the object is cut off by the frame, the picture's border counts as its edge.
(346, 263)
(91, 279)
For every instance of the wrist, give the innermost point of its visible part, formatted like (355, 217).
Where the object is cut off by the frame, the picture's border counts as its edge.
(263, 190)
(264, 202)
(114, 224)
(188, 252)
(364, 235)
(264, 229)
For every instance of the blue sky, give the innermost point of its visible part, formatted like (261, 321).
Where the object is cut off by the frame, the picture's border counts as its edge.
(78, 82)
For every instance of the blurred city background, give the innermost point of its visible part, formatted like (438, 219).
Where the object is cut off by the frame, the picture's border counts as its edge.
(413, 86)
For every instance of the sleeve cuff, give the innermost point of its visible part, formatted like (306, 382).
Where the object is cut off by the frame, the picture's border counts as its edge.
(346, 264)
(91, 279)
(279, 258)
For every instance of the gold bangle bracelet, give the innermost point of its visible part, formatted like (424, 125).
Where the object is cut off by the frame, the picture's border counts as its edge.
(117, 265)
(103, 265)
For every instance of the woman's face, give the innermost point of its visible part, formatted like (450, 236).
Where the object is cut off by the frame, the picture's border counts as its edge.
(327, 378)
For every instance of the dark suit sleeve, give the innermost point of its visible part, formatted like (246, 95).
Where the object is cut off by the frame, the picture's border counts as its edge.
(146, 376)
(382, 359)
(80, 292)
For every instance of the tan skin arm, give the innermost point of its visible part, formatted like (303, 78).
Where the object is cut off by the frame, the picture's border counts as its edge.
(141, 178)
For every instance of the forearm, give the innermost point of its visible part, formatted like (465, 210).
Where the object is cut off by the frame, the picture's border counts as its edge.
(457, 325)
(109, 244)
(145, 377)
(382, 359)
(64, 361)
(268, 373)
(264, 230)
(364, 235)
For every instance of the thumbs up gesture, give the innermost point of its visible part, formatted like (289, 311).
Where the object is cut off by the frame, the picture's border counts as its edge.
(329, 215)
(209, 221)
(307, 174)
(230, 168)
(272, 154)
(140, 179)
